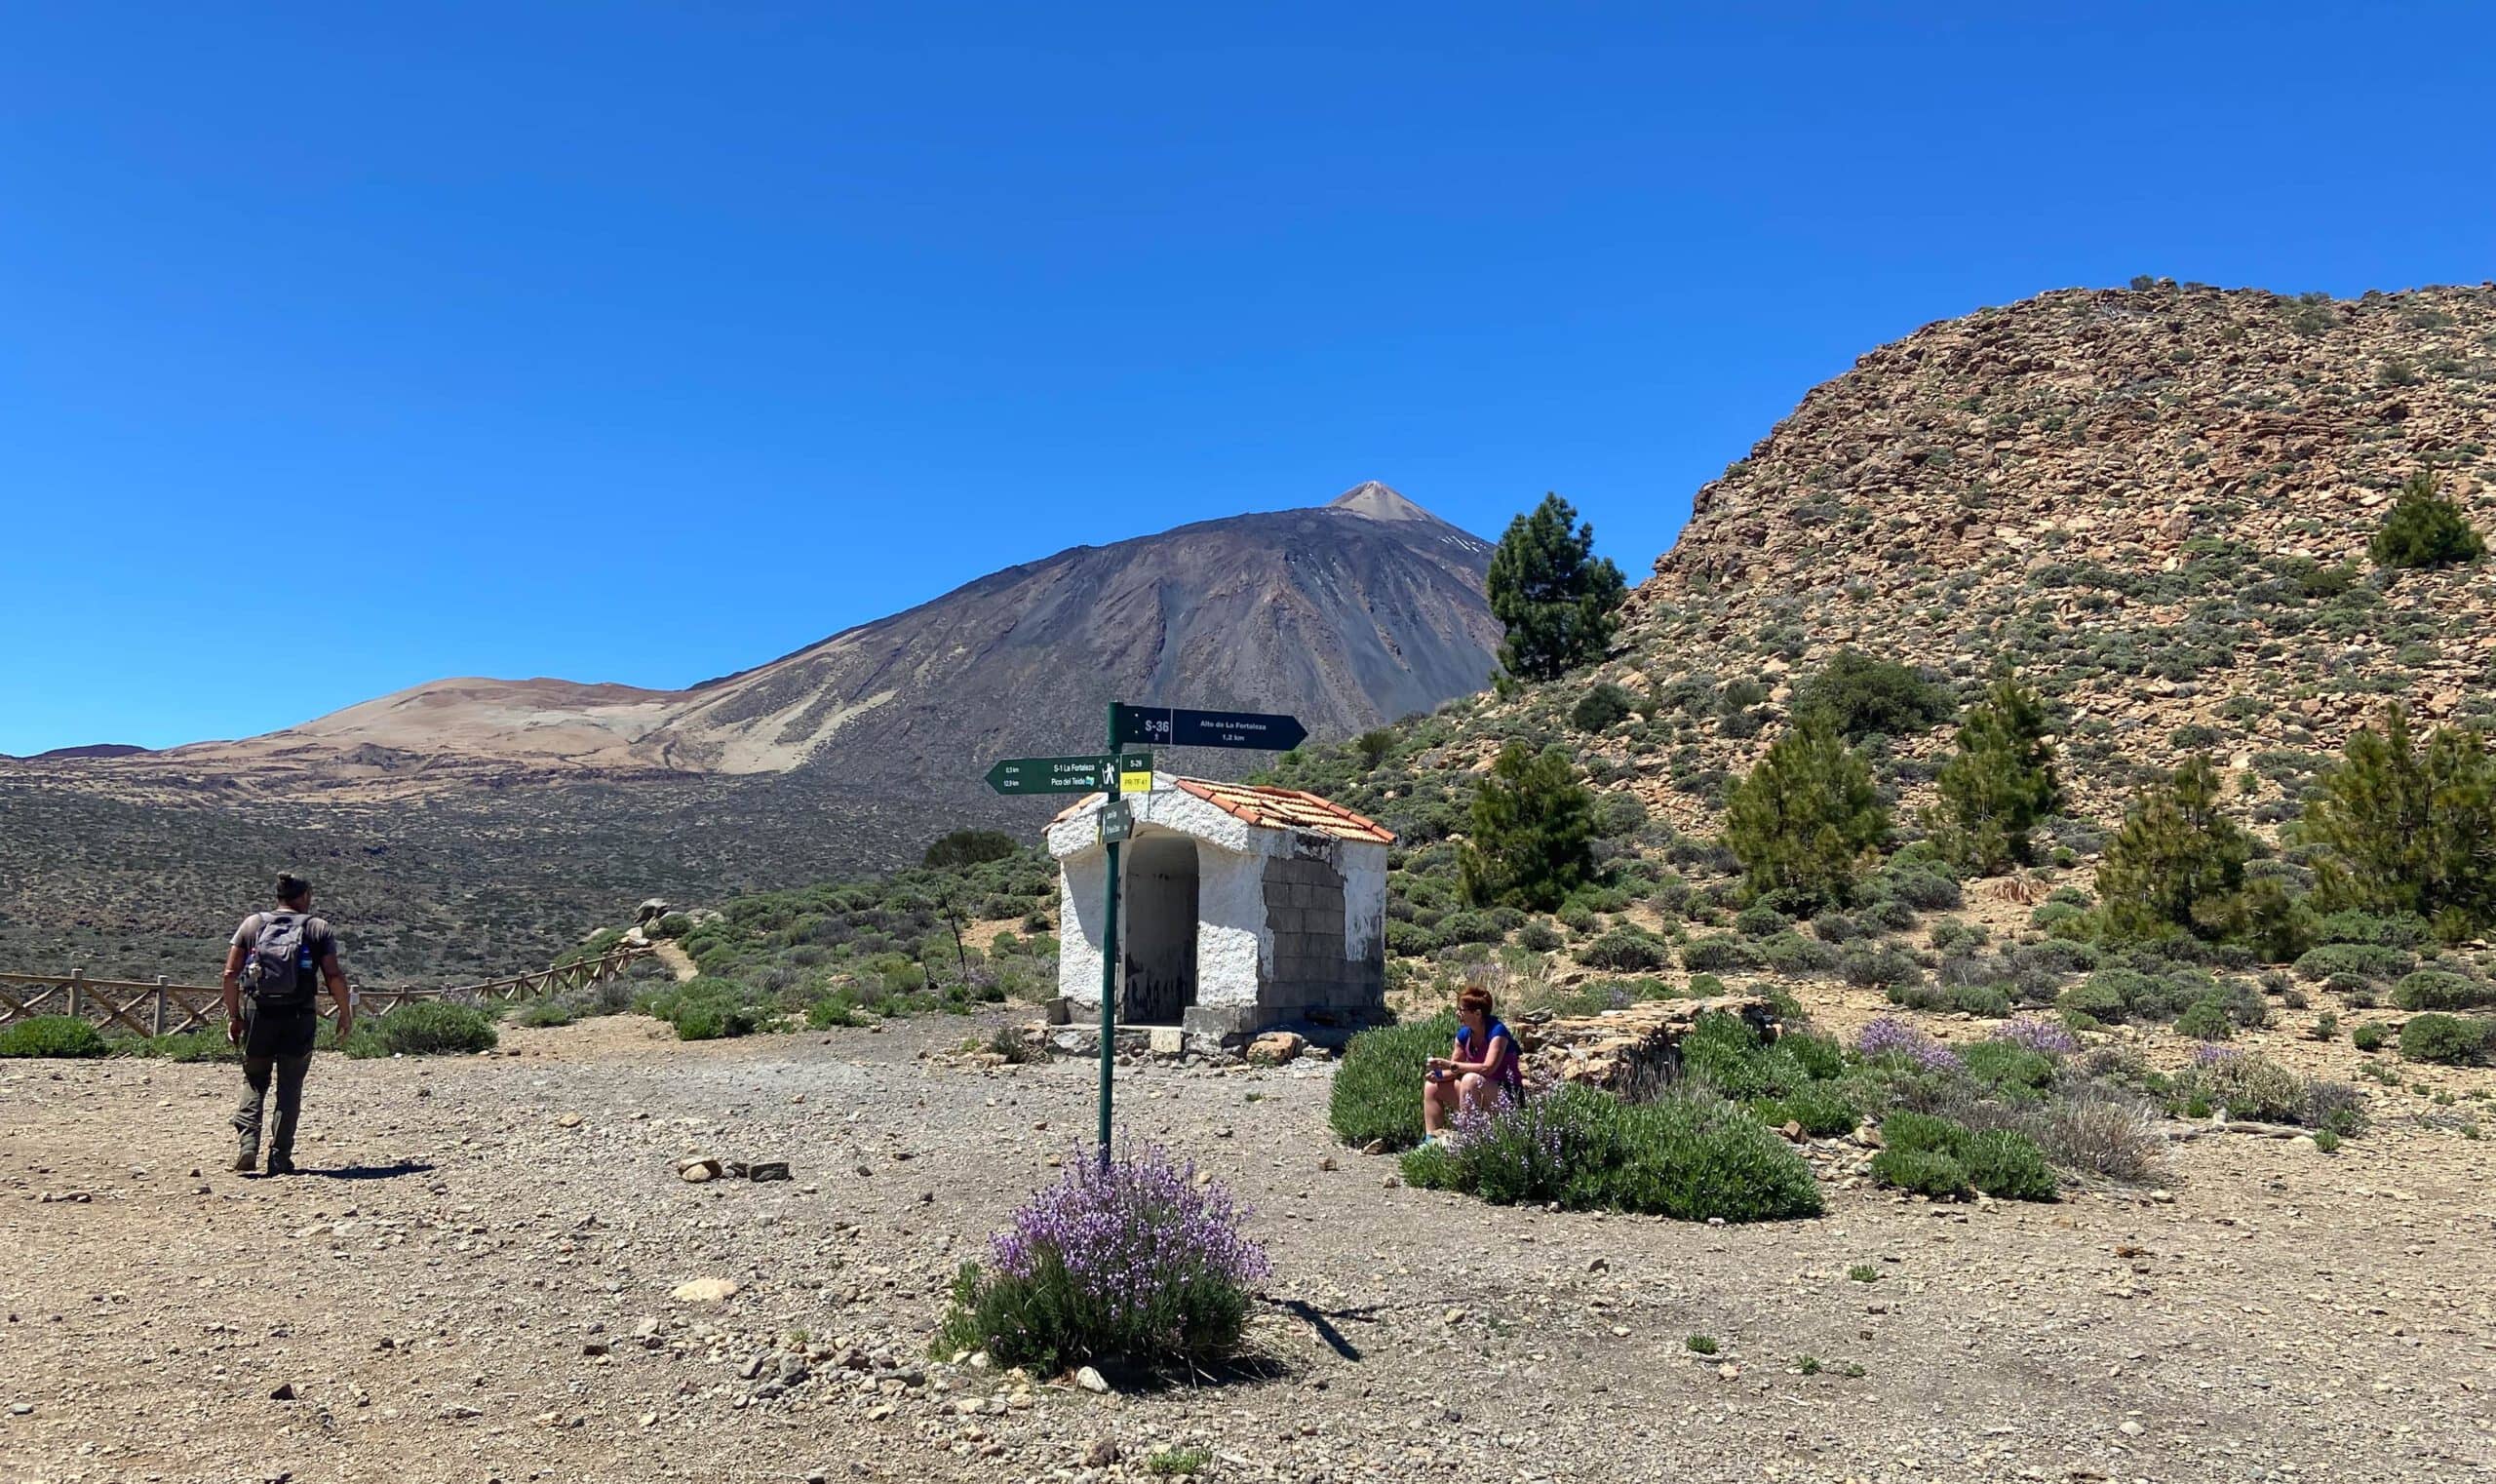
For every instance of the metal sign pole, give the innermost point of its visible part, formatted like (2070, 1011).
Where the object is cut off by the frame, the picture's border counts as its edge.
(1109, 956)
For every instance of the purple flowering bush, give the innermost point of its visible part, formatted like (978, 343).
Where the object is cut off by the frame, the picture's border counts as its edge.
(1890, 1036)
(2039, 1033)
(1135, 1262)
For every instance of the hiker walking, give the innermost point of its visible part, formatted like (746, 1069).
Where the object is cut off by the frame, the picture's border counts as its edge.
(273, 976)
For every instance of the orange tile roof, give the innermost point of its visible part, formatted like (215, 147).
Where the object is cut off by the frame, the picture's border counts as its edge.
(1273, 808)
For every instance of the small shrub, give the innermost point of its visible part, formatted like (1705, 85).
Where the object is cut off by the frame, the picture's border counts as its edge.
(1939, 1158)
(969, 847)
(1922, 1172)
(2369, 1037)
(1714, 956)
(2441, 989)
(432, 1028)
(2357, 961)
(1864, 1272)
(1600, 709)
(2205, 1020)
(52, 1036)
(2448, 1038)
(1136, 1262)
(1377, 1088)
(1859, 695)
(545, 1014)
(1625, 948)
(1701, 1345)
(1872, 969)
(674, 925)
(1687, 1156)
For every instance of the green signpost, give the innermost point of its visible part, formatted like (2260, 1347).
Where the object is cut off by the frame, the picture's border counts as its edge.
(1105, 774)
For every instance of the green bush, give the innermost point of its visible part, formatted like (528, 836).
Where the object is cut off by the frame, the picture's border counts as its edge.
(969, 847)
(2358, 961)
(2442, 990)
(2256, 1087)
(1999, 782)
(2205, 1020)
(1859, 695)
(2007, 1167)
(2449, 1038)
(1937, 1156)
(191, 1046)
(1924, 1172)
(426, 1027)
(2369, 1037)
(51, 1035)
(674, 925)
(1821, 1109)
(1685, 1156)
(2095, 996)
(711, 1008)
(544, 1014)
(2008, 1068)
(1377, 1088)
(2422, 529)
(1533, 835)
(1601, 709)
(1716, 956)
(1625, 948)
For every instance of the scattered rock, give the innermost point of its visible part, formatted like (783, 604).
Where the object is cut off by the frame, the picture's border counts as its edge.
(705, 1291)
(1092, 1380)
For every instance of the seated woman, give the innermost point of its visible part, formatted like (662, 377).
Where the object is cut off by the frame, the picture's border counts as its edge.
(1485, 1067)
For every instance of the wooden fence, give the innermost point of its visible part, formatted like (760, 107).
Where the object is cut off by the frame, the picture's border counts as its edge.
(164, 1008)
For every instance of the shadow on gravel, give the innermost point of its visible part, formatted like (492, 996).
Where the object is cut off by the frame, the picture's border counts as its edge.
(1248, 1370)
(1322, 1321)
(374, 1171)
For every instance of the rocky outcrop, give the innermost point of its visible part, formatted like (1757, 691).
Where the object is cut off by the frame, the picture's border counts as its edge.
(1628, 1052)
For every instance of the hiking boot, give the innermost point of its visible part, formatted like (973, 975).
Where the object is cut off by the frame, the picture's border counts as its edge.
(281, 1164)
(246, 1155)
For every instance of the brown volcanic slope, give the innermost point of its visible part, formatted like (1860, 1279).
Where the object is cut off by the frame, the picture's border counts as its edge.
(2136, 496)
(476, 826)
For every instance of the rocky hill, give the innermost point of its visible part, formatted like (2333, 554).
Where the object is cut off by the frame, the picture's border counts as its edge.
(2154, 502)
(478, 825)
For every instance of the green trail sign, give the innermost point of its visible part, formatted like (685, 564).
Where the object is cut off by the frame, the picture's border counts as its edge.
(1052, 775)
(1178, 726)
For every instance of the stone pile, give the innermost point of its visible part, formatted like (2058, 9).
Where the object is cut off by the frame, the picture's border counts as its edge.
(1628, 1050)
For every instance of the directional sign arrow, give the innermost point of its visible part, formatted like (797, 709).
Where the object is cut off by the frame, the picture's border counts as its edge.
(1177, 726)
(1051, 775)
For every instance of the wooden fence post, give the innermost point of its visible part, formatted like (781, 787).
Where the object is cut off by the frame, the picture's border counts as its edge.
(156, 1016)
(77, 991)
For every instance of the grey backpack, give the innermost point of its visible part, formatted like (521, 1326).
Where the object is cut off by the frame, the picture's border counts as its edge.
(281, 975)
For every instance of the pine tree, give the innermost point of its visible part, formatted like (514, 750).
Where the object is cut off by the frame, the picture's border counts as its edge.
(2000, 783)
(2177, 863)
(1532, 832)
(2424, 528)
(1803, 819)
(2410, 829)
(1554, 594)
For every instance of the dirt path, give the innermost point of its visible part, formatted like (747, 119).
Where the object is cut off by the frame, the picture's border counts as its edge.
(679, 962)
(457, 1295)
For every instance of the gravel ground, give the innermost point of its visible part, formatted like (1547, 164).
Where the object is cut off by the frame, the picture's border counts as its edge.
(476, 1282)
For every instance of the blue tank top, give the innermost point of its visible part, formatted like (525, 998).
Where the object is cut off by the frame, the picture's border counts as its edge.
(1511, 1072)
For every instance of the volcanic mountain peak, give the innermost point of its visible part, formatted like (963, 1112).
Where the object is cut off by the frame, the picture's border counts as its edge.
(1380, 502)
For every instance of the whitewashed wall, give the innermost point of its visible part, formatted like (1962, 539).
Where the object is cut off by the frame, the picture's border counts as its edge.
(1234, 943)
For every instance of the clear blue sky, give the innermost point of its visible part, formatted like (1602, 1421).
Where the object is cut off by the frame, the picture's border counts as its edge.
(645, 342)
